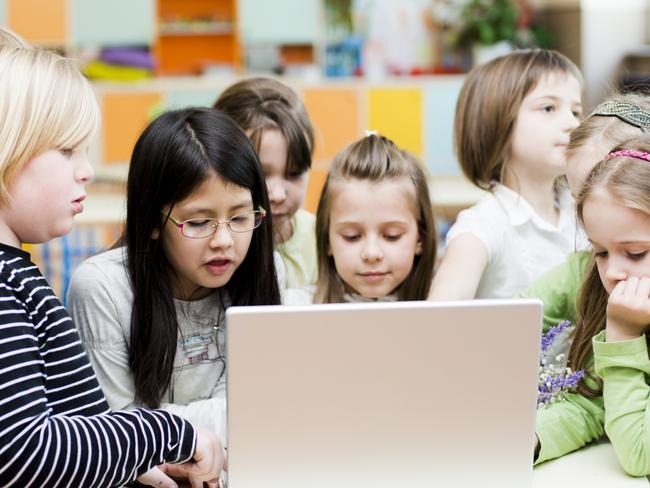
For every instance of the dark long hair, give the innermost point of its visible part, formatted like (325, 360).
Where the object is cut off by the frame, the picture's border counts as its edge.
(173, 156)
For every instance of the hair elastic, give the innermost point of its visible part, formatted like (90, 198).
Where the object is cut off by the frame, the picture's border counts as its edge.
(631, 153)
(628, 112)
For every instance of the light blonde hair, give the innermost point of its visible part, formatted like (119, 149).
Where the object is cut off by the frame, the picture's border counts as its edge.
(627, 180)
(488, 105)
(9, 38)
(45, 103)
(376, 158)
(609, 131)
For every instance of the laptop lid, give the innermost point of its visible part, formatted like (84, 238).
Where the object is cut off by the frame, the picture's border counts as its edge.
(406, 394)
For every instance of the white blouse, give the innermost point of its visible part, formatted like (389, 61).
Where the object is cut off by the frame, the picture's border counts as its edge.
(520, 244)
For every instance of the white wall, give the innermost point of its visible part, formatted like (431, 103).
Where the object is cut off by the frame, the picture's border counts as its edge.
(610, 29)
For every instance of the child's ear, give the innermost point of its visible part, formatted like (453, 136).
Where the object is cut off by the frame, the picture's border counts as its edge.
(155, 234)
(418, 247)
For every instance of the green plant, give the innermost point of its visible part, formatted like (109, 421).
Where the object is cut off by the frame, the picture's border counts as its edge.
(486, 22)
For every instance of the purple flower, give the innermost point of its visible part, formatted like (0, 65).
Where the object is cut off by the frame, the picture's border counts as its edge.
(555, 381)
(549, 336)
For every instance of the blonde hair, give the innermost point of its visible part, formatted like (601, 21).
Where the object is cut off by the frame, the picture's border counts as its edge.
(9, 38)
(607, 130)
(45, 103)
(376, 158)
(627, 180)
(488, 105)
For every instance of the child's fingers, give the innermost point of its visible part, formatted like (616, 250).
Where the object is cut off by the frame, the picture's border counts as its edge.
(644, 287)
(618, 289)
(631, 285)
(155, 477)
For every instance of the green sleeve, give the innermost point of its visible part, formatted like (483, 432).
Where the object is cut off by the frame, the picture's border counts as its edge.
(568, 424)
(625, 368)
(558, 289)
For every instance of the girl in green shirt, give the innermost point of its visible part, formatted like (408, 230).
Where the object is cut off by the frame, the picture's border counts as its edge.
(611, 336)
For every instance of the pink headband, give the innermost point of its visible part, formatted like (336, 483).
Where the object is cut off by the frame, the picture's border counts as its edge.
(630, 153)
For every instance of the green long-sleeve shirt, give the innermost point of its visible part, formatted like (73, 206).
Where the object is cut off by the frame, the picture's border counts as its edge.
(623, 411)
(558, 289)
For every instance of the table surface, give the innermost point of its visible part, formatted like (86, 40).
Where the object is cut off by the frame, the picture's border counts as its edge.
(594, 466)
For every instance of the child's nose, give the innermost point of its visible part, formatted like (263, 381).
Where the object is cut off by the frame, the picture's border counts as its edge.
(277, 192)
(615, 272)
(222, 238)
(571, 121)
(84, 172)
(371, 251)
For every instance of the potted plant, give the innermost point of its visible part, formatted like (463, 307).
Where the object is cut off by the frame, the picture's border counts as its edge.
(491, 28)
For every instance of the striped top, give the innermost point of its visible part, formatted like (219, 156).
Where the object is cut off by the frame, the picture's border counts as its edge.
(55, 426)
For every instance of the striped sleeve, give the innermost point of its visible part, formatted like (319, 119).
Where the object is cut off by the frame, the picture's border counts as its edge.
(55, 425)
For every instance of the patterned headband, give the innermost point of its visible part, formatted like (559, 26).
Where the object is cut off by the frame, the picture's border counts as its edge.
(627, 112)
(629, 153)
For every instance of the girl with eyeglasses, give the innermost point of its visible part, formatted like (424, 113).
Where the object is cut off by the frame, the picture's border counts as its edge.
(197, 239)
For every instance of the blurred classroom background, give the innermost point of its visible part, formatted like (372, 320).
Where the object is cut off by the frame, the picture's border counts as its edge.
(395, 66)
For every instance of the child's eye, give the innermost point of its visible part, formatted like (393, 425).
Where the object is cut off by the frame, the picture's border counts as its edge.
(350, 237)
(636, 256)
(577, 113)
(294, 175)
(600, 254)
(392, 237)
(197, 223)
(548, 108)
(67, 152)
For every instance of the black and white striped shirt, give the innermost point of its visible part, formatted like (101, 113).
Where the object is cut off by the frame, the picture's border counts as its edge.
(55, 426)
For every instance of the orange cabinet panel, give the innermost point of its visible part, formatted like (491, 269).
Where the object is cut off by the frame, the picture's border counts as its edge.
(125, 117)
(39, 21)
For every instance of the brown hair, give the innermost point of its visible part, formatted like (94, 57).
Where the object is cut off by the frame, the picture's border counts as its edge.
(627, 180)
(488, 105)
(259, 104)
(376, 158)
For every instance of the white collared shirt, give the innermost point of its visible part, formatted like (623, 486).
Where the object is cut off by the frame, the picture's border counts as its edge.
(520, 244)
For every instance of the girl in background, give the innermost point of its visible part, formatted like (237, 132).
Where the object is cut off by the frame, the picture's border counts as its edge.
(513, 120)
(197, 239)
(375, 231)
(56, 428)
(275, 119)
(613, 317)
(619, 118)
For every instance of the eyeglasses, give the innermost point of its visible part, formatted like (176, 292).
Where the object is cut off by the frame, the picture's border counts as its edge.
(198, 228)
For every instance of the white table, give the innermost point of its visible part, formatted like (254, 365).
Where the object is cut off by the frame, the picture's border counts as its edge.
(593, 466)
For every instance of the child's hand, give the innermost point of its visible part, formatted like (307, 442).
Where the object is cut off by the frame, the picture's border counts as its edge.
(156, 477)
(205, 465)
(628, 309)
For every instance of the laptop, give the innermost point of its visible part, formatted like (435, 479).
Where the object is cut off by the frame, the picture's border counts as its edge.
(402, 394)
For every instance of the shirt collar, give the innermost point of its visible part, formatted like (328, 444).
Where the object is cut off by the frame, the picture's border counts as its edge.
(519, 211)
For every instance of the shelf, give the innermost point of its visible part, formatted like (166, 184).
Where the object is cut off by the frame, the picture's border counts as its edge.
(196, 29)
(194, 35)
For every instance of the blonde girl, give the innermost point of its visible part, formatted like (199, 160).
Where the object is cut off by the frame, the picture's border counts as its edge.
(611, 337)
(275, 119)
(617, 119)
(375, 231)
(513, 120)
(56, 428)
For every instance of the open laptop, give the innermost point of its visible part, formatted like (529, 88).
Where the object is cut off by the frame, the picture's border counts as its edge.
(406, 394)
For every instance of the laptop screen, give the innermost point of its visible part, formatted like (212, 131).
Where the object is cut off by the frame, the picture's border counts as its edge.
(412, 394)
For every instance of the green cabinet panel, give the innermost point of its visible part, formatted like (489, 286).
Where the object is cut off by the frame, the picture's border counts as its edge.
(279, 21)
(112, 23)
